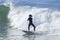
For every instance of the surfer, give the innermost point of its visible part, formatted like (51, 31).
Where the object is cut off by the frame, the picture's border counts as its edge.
(30, 22)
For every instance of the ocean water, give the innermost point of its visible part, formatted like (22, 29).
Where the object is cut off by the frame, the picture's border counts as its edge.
(14, 14)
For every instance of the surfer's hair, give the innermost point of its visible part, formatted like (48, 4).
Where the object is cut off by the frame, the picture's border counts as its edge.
(30, 15)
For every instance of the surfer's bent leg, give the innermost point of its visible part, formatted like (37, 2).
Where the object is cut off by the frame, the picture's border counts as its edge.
(29, 27)
(33, 26)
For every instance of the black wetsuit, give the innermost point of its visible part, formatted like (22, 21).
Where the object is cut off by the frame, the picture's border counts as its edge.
(30, 23)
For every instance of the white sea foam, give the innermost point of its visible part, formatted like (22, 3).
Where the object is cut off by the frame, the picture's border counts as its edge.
(45, 19)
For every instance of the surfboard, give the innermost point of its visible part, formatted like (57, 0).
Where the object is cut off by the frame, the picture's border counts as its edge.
(32, 32)
(28, 32)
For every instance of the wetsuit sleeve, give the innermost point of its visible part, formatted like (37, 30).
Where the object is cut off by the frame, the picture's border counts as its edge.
(28, 19)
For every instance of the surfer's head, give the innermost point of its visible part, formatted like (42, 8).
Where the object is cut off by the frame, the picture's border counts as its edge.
(30, 15)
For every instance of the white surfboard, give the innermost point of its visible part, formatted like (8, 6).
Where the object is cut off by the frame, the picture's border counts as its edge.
(28, 32)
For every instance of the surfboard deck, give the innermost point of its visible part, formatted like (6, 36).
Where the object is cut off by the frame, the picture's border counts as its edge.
(28, 32)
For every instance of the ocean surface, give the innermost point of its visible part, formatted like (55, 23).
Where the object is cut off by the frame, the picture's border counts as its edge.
(14, 15)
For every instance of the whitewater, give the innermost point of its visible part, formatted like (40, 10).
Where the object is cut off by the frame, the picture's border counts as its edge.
(46, 19)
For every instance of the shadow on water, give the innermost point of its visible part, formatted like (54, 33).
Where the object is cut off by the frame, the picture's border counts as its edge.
(33, 35)
(3, 20)
(29, 35)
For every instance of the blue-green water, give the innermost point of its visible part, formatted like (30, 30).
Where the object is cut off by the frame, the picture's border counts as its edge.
(3, 20)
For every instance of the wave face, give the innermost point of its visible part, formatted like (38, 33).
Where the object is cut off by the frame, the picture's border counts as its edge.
(3, 20)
